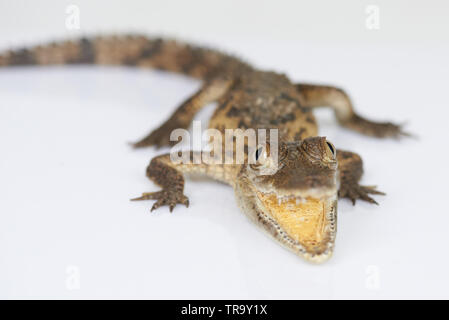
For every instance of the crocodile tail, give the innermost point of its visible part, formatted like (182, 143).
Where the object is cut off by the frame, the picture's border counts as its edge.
(131, 50)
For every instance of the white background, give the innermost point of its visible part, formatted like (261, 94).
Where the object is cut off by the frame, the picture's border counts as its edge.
(68, 230)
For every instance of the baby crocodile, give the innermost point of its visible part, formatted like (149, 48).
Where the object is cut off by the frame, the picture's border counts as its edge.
(297, 202)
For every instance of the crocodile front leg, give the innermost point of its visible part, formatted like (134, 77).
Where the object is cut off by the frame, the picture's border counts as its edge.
(169, 175)
(350, 167)
(183, 116)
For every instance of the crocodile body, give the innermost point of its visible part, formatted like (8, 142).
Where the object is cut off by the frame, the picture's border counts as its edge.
(297, 202)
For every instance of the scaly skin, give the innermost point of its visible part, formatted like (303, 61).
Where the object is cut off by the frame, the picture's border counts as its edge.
(296, 202)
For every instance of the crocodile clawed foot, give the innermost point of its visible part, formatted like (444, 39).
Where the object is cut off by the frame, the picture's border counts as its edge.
(377, 129)
(389, 130)
(164, 198)
(357, 192)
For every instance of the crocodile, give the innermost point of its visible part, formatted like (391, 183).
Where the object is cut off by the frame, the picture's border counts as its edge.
(296, 202)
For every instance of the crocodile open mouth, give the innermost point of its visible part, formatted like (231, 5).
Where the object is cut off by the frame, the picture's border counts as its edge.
(309, 223)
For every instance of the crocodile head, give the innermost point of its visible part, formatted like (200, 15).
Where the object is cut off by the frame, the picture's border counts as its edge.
(294, 198)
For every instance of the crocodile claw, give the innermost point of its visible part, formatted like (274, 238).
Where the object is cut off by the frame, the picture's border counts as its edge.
(357, 192)
(164, 198)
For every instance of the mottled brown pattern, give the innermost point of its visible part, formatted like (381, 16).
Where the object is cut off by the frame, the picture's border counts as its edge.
(304, 180)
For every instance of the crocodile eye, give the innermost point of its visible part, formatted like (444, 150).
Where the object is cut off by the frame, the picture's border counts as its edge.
(260, 156)
(331, 148)
(258, 153)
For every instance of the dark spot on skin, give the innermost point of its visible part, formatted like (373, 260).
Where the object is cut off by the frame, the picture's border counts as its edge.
(242, 125)
(288, 117)
(196, 58)
(298, 135)
(283, 119)
(306, 109)
(22, 57)
(287, 97)
(87, 53)
(151, 49)
(224, 104)
(233, 112)
(309, 119)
